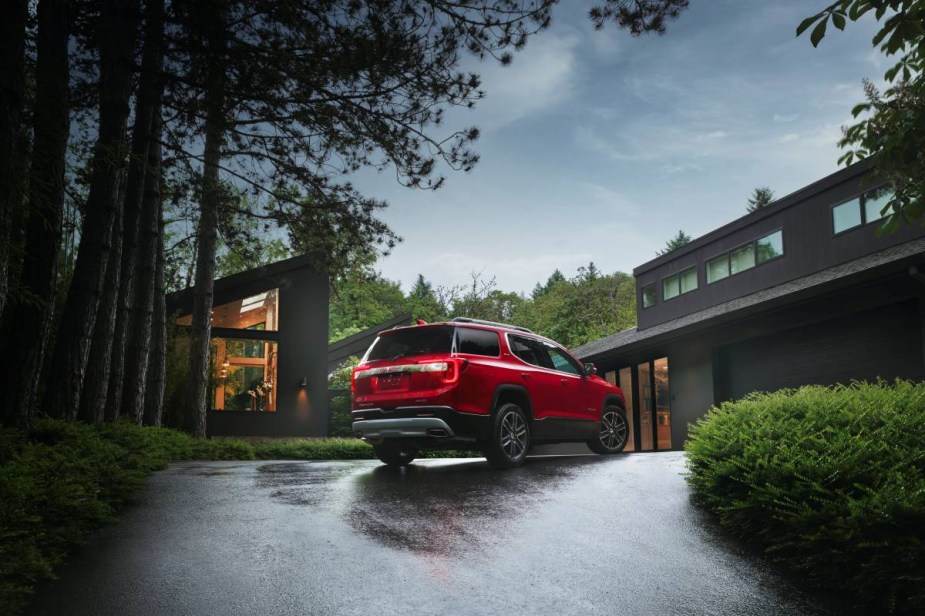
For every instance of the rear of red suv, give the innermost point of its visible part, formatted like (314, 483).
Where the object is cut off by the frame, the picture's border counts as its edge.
(464, 385)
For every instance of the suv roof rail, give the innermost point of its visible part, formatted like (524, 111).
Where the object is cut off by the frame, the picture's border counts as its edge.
(492, 323)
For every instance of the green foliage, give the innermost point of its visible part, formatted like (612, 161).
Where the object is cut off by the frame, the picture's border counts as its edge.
(891, 126)
(422, 302)
(763, 196)
(339, 424)
(680, 239)
(360, 299)
(585, 308)
(314, 449)
(554, 279)
(829, 481)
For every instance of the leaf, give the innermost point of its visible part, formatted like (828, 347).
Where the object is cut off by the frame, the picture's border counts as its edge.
(806, 23)
(818, 33)
(838, 20)
(859, 109)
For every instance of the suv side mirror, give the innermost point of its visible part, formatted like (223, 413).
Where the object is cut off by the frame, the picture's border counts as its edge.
(590, 369)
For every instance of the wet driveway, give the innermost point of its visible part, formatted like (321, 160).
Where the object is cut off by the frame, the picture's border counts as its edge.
(565, 535)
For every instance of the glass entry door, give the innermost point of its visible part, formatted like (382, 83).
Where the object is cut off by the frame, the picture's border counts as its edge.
(644, 379)
(647, 391)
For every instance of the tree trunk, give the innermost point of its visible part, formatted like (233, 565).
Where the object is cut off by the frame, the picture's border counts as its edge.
(118, 24)
(195, 416)
(139, 338)
(26, 323)
(12, 45)
(96, 382)
(157, 349)
(147, 106)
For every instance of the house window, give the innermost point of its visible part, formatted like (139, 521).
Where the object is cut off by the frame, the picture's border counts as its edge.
(746, 257)
(770, 247)
(243, 374)
(260, 311)
(742, 258)
(874, 202)
(680, 283)
(717, 268)
(861, 210)
(243, 353)
(648, 295)
(847, 215)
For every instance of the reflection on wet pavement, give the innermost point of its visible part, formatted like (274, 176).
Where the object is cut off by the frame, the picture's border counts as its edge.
(298, 483)
(437, 509)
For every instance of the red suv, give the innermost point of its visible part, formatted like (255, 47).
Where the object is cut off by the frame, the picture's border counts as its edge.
(480, 384)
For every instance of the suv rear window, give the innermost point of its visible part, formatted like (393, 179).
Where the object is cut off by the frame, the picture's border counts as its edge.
(412, 341)
(477, 342)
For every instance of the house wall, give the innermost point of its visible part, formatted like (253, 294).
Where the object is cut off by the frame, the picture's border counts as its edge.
(303, 346)
(868, 330)
(809, 246)
(690, 372)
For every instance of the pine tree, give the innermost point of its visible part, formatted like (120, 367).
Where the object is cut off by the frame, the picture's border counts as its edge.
(761, 197)
(674, 243)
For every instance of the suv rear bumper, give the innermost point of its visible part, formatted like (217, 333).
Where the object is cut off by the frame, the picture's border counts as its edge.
(428, 423)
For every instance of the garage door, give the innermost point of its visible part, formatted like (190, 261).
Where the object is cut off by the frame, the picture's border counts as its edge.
(885, 342)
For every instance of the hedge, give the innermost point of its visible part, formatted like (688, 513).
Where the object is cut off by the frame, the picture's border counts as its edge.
(829, 481)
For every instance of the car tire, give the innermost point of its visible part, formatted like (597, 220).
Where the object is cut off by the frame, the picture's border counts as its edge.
(510, 438)
(395, 455)
(613, 432)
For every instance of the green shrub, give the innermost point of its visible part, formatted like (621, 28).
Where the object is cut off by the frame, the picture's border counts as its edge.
(315, 449)
(829, 481)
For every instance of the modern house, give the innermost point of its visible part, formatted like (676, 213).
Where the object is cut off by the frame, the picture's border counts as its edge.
(803, 291)
(268, 350)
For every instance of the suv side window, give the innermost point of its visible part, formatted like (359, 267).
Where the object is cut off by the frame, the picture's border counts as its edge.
(561, 360)
(477, 342)
(531, 351)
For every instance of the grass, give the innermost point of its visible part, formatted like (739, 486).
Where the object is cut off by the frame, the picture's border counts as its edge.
(64, 479)
(827, 481)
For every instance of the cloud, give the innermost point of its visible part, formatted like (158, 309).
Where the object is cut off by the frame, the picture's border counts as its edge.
(534, 82)
(779, 117)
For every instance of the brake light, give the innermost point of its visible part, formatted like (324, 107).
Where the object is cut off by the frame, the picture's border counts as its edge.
(449, 370)
(353, 380)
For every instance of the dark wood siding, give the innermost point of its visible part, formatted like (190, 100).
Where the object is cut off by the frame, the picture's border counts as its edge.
(885, 343)
(809, 247)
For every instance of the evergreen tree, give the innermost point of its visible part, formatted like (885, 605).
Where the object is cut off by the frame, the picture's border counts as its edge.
(674, 243)
(422, 301)
(761, 197)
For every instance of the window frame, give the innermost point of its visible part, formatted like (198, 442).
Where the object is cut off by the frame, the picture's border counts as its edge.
(677, 275)
(861, 199)
(642, 295)
(456, 341)
(754, 243)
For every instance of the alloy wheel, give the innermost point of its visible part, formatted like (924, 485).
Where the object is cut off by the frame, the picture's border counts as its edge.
(613, 430)
(513, 435)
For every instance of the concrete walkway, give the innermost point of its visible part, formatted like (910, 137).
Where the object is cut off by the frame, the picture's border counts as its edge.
(565, 535)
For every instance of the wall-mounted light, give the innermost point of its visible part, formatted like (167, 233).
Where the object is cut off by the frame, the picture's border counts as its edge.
(303, 383)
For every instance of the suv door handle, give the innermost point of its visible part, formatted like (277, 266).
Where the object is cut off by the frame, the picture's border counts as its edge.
(525, 376)
(564, 382)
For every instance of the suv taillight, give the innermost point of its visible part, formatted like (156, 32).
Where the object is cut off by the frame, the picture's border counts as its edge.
(448, 370)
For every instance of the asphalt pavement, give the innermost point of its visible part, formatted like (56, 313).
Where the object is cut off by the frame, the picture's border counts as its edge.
(579, 535)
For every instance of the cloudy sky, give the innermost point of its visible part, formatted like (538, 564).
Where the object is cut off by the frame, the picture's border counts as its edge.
(599, 147)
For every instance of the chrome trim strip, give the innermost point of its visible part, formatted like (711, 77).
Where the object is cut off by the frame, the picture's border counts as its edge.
(439, 366)
(400, 428)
